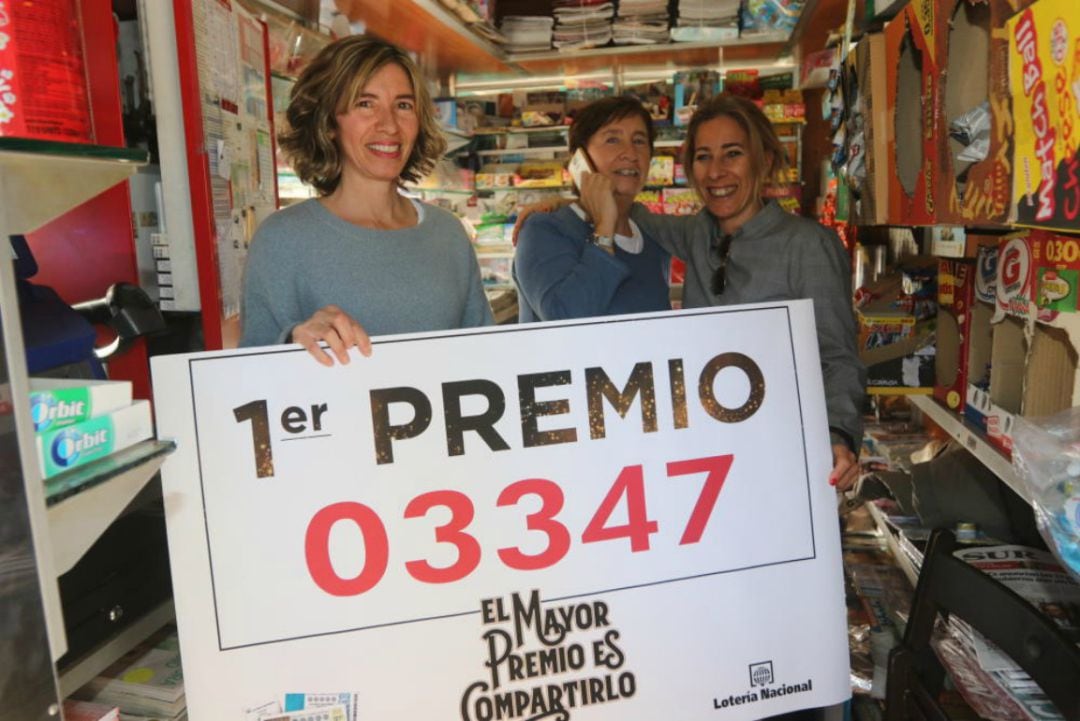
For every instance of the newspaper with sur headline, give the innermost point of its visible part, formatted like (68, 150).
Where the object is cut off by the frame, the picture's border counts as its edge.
(1037, 577)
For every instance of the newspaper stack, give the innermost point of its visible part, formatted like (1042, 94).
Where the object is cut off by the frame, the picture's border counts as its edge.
(990, 681)
(706, 20)
(642, 22)
(527, 33)
(145, 683)
(583, 23)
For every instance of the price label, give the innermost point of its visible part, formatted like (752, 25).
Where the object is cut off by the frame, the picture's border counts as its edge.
(511, 487)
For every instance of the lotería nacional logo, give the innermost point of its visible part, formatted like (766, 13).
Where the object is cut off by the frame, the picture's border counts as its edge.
(761, 674)
(763, 686)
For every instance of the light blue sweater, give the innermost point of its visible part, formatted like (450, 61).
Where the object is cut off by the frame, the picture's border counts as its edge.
(303, 258)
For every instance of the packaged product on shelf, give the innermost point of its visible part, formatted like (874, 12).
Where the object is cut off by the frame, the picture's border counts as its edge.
(692, 88)
(62, 449)
(913, 96)
(651, 199)
(1044, 77)
(956, 305)
(539, 174)
(661, 170)
(146, 681)
(656, 97)
(681, 201)
(43, 91)
(56, 403)
(543, 108)
(1048, 467)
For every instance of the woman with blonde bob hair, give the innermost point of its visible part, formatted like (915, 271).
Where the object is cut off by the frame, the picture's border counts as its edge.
(743, 248)
(361, 258)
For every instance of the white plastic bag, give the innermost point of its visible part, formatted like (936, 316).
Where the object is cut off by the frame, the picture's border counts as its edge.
(1046, 457)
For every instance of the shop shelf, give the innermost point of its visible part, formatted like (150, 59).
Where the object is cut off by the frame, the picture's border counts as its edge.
(970, 438)
(80, 671)
(83, 502)
(71, 172)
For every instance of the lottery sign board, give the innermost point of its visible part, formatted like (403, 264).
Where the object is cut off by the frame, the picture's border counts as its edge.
(613, 518)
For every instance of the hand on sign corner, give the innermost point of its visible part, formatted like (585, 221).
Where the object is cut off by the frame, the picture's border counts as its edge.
(545, 206)
(845, 469)
(598, 201)
(337, 329)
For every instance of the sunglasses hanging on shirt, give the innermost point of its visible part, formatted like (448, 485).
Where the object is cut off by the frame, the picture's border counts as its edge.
(719, 278)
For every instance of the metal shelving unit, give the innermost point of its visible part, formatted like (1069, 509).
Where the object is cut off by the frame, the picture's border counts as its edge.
(971, 438)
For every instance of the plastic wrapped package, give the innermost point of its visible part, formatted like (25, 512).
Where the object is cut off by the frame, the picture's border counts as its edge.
(1046, 456)
(997, 699)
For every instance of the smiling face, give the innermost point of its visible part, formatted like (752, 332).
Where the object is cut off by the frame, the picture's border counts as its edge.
(377, 133)
(620, 151)
(724, 173)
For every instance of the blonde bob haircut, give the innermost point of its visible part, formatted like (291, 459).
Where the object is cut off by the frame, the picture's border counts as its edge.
(329, 86)
(766, 152)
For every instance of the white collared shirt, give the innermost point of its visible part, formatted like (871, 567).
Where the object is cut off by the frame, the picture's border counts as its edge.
(633, 243)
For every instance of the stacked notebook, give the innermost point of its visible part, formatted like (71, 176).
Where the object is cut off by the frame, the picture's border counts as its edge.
(641, 22)
(706, 20)
(527, 33)
(583, 23)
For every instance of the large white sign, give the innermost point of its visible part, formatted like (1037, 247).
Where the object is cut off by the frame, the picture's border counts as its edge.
(615, 518)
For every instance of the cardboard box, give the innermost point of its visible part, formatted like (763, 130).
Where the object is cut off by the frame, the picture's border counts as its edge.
(1056, 260)
(1037, 275)
(78, 444)
(869, 62)
(1044, 78)
(956, 306)
(974, 51)
(898, 353)
(914, 112)
(977, 366)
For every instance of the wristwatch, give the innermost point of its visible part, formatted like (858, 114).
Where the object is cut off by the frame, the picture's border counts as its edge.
(606, 242)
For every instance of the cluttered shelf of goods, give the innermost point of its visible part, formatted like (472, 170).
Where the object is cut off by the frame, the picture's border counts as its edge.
(518, 150)
(914, 481)
(520, 36)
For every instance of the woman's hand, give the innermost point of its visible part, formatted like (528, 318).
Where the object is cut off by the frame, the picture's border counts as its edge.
(598, 201)
(334, 326)
(845, 467)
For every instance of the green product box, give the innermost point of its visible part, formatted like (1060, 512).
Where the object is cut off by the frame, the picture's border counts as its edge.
(62, 449)
(56, 403)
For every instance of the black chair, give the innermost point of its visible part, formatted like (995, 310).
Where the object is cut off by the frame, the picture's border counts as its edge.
(948, 585)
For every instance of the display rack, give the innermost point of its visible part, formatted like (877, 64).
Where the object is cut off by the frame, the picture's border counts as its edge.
(970, 438)
(40, 180)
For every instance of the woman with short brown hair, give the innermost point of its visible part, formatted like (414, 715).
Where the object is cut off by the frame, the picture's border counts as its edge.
(361, 258)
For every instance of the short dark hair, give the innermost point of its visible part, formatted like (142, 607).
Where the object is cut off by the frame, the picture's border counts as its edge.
(329, 85)
(766, 152)
(595, 115)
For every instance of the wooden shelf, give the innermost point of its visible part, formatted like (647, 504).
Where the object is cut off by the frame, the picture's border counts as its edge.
(523, 151)
(970, 438)
(446, 46)
(442, 43)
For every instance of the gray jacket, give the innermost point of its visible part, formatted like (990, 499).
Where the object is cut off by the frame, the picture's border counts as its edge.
(778, 256)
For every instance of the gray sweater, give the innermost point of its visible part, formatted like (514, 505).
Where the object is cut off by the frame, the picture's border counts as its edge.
(304, 257)
(778, 256)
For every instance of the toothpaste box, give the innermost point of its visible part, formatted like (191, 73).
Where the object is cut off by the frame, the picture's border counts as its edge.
(65, 448)
(56, 403)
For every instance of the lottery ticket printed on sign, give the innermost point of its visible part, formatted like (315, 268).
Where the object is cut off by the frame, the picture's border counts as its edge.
(622, 518)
